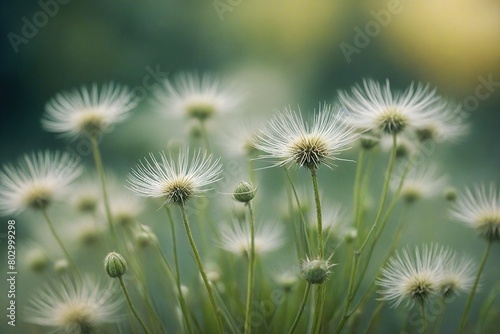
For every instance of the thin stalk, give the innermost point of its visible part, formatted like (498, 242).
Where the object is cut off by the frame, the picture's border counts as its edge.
(483, 314)
(357, 183)
(100, 171)
(132, 308)
(201, 268)
(182, 301)
(301, 309)
(204, 134)
(374, 318)
(319, 219)
(318, 307)
(59, 241)
(422, 309)
(474, 288)
(358, 252)
(251, 266)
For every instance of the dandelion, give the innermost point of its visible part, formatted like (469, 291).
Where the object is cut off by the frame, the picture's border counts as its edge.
(36, 259)
(375, 107)
(457, 275)
(175, 181)
(74, 306)
(420, 183)
(447, 125)
(236, 238)
(316, 271)
(289, 139)
(85, 196)
(412, 277)
(88, 111)
(479, 208)
(405, 146)
(37, 181)
(199, 97)
(124, 206)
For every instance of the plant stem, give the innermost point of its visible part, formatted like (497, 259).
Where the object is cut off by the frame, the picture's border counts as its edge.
(100, 171)
(251, 265)
(132, 308)
(299, 207)
(357, 182)
(474, 288)
(59, 241)
(301, 309)
(182, 301)
(204, 134)
(422, 309)
(319, 219)
(201, 269)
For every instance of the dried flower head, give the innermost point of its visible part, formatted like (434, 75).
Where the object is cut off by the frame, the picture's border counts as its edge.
(375, 107)
(236, 238)
(447, 125)
(421, 182)
(175, 181)
(88, 111)
(37, 180)
(198, 97)
(74, 306)
(412, 276)
(289, 139)
(316, 271)
(457, 274)
(479, 208)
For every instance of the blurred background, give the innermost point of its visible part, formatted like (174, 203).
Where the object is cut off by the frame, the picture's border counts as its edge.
(292, 52)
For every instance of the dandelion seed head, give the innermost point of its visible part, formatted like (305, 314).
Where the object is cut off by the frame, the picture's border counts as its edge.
(479, 208)
(421, 182)
(89, 111)
(289, 139)
(79, 306)
(237, 239)
(38, 179)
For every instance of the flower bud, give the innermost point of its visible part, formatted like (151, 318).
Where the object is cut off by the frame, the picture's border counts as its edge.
(244, 192)
(450, 194)
(115, 265)
(316, 271)
(368, 141)
(145, 237)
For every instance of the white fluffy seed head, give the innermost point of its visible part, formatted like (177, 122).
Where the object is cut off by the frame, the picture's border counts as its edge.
(421, 182)
(289, 139)
(36, 181)
(413, 277)
(479, 207)
(89, 111)
(375, 107)
(457, 274)
(199, 97)
(175, 181)
(74, 306)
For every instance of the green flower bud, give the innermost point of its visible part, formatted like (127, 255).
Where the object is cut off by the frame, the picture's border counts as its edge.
(244, 192)
(450, 194)
(115, 265)
(316, 271)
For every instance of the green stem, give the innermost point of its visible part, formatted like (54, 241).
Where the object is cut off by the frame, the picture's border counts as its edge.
(182, 301)
(357, 182)
(59, 241)
(358, 252)
(251, 265)
(474, 288)
(201, 269)
(132, 308)
(319, 219)
(204, 134)
(422, 309)
(301, 309)
(100, 171)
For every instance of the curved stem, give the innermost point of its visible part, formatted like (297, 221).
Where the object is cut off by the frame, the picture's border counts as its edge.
(422, 309)
(319, 219)
(182, 301)
(132, 308)
(357, 182)
(251, 265)
(59, 241)
(100, 171)
(201, 268)
(301, 309)
(474, 288)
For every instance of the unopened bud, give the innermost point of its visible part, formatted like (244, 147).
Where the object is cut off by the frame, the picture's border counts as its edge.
(244, 192)
(115, 265)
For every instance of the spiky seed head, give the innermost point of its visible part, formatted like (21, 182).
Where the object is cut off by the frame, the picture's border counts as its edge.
(244, 192)
(316, 271)
(115, 265)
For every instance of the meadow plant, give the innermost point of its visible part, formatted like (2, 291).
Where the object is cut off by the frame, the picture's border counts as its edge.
(291, 250)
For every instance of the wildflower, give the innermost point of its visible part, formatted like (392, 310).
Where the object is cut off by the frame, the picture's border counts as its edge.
(457, 275)
(287, 280)
(74, 306)
(420, 183)
(405, 146)
(124, 206)
(175, 181)
(244, 192)
(479, 208)
(335, 220)
(86, 196)
(412, 277)
(289, 139)
(36, 258)
(37, 181)
(236, 239)
(198, 97)
(316, 271)
(115, 265)
(375, 107)
(446, 125)
(88, 111)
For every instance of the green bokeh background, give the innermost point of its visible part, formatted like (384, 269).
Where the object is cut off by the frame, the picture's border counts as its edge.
(283, 52)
